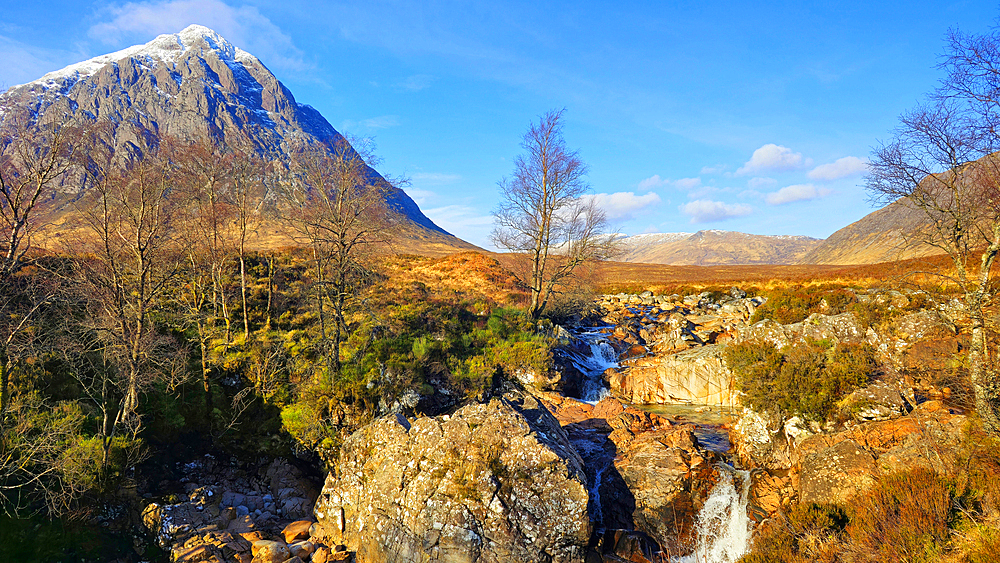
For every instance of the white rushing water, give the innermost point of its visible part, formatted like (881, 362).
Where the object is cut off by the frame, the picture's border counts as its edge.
(602, 356)
(724, 527)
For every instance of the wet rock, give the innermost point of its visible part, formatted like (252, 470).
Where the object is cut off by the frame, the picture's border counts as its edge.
(492, 482)
(670, 478)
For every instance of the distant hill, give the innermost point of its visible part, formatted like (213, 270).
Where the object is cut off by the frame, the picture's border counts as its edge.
(195, 84)
(880, 236)
(712, 247)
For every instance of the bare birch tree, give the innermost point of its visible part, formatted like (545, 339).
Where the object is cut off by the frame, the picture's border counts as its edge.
(34, 161)
(337, 206)
(941, 161)
(544, 214)
(130, 257)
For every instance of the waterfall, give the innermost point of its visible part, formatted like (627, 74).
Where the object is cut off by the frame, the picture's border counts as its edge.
(602, 356)
(724, 527)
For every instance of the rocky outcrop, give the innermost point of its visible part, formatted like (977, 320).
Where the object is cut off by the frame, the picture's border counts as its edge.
(836, 328)
(698, 376)
(648, 476)
(228, 510)
(802, 461)
(492, 482)
(673, 346)
(834, 467)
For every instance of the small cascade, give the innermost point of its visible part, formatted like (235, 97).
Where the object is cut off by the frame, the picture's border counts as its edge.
(724, 527)
(602, 356)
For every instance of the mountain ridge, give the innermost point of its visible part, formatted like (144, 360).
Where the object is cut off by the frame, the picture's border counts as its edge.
(193, 84)
(716, 247)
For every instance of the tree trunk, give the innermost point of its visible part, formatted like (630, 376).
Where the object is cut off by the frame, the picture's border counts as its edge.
(270, 288)
(243, 291)
(4, 384)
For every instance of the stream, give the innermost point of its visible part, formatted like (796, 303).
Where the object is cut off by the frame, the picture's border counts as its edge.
(724, 528)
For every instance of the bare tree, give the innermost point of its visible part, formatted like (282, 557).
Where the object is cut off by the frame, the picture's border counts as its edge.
(34, 161)
(129, 257)
(545, 215)
(337, 206)
(941, 161)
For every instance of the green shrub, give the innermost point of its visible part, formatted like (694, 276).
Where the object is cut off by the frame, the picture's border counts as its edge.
(807, 379)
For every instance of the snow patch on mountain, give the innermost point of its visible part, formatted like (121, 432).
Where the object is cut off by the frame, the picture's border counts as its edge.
(166, 48)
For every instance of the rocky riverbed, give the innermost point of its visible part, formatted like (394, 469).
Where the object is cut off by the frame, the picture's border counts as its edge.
(563, 466)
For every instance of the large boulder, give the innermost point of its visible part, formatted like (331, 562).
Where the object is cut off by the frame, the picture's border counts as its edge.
(697, 375)
(837, 328)
(493, 482)
(669, 477)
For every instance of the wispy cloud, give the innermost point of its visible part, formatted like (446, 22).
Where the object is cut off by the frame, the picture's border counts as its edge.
(796, 192)
(652, 182)
(717, 169)
(623, 205)
(416, 82)
(23, 63)
(707, 211)
(244, 26)
(655, 181)
(419, 196)
(380, 122)
(773, 158)
(434, 178)
(840, 168)
(463, 221)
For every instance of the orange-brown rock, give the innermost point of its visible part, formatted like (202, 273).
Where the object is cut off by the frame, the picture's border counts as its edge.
(670, 478)
(298, 530)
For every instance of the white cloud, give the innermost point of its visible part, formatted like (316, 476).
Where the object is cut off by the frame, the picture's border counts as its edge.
(416, 82)
(463, 221)
(840, 168)
(706, 211)
(796, 192)
(717, 169)
(653, 181)
(754, 183)
(244, 27)
(434, 178)
(687, 183)
(622, 205)
(380, 122)
(771, 157)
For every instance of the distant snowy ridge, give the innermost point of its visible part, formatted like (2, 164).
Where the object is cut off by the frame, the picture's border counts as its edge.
(715, 247)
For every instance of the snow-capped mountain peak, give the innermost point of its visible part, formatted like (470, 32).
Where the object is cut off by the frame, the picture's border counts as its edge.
(167, 47)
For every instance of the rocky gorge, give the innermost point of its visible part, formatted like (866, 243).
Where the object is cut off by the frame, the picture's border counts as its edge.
(533, 473)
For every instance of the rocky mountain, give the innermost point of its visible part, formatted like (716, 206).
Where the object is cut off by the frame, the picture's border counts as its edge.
(194, 84)
(712, 247)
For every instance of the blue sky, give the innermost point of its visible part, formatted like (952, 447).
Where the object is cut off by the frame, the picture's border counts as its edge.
(754, 117)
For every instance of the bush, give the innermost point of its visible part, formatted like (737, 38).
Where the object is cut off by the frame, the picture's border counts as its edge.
(794, 304)
(806, 533)
(807, 379)
(903, 518)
